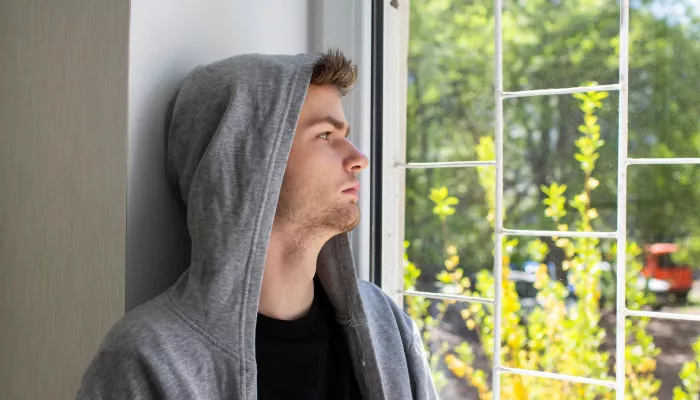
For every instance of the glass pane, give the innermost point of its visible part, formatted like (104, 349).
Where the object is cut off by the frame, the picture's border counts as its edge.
(664, 98)
(559, 313)
(550, 44)
(457, 346)
(447, 230)
(450, 79)
(515, 387)
(660, 354)
(663, 221)
(560, 159)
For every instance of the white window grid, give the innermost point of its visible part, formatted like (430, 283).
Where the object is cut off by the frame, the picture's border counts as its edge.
(395, 58)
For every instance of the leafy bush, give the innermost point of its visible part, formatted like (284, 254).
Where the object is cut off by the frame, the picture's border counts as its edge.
(690, 378)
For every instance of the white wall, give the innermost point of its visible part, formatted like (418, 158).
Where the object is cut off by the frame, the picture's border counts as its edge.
(63, 125)
(165, 44)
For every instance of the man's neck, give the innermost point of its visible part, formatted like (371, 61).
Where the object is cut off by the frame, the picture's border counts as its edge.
(287, 288)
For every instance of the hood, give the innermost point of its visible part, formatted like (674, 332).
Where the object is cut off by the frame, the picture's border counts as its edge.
(230, 131)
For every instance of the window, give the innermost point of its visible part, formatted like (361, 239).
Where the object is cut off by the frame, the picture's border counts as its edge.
(665, 261)
(523, 143)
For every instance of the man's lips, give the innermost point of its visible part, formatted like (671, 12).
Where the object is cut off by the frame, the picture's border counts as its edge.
(354, 190)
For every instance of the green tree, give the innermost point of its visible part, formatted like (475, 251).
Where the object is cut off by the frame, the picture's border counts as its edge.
(547, 44)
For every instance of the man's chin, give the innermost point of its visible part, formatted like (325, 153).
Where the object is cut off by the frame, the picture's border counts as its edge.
(342, 220)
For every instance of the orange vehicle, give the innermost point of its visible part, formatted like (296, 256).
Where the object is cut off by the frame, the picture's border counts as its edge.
(658, 265)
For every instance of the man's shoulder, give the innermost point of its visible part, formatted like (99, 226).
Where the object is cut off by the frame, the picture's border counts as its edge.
(141, 328)
(136, 346)
(379, 305)
(376, 295)
(372, 292)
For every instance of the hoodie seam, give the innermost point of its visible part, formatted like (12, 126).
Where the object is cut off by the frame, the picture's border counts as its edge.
(354, 325)
(409, 355)
(202, 332)
(339, 261)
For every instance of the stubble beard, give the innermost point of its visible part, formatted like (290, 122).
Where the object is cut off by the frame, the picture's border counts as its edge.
(313, 216)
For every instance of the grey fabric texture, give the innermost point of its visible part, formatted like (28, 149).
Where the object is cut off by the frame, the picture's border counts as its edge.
(230, 131)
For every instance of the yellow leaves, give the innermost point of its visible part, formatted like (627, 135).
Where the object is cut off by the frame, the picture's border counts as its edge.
(453, 276)
(592, 183)
(590, 101)
(515, 340)
(455, 365)
(534, 358)
(582, 198)
(690, 378)
(505, 273)
(554, 190)
(537, 250)
(491, 216)
(452, 262)
(444, 277)
(647, 365)
(410, 274)
(541, 277)
(508, 248)
(466, 283)
(519, 389)
(592, 213)
(451, 250)
(510, 303)
(513, 387)
(506, 261)
(633, 250)
(443, 202)
(590, 120)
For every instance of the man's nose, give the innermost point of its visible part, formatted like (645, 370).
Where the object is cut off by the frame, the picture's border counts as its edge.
(357, 161)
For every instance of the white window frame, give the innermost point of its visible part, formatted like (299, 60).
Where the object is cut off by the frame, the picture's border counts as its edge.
(396, 26)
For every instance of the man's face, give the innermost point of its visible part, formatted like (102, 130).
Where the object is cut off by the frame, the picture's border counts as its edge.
(320, 187)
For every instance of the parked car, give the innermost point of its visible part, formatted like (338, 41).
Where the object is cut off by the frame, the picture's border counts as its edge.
(524, 279)
(669, 281)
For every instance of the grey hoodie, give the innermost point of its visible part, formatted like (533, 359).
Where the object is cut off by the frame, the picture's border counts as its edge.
(229, 137)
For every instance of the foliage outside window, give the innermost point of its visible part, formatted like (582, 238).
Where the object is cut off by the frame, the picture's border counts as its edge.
(560, 174)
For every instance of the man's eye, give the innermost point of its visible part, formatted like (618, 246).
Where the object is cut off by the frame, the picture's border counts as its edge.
(325, 135)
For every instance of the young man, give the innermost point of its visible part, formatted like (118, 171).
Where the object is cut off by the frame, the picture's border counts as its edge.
(270, 307)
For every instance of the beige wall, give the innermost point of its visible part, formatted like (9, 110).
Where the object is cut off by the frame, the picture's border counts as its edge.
(63, 143)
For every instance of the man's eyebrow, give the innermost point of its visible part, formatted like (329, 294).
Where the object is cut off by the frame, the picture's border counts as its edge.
(337, 124)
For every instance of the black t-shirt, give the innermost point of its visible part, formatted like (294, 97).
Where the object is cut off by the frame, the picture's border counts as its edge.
(305, 359)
